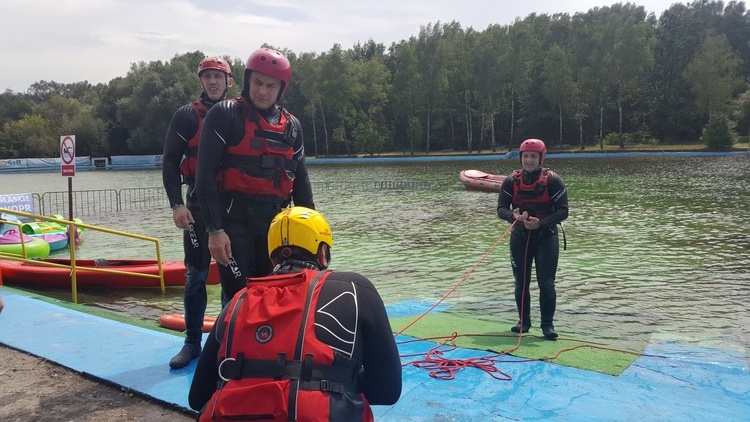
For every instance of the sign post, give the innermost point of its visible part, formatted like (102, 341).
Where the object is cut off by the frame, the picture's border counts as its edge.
(68, 155)
(68, 158)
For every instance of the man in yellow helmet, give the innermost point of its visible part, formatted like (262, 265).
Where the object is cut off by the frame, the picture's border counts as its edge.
(300, 344)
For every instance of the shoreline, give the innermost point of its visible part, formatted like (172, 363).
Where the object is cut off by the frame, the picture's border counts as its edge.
(151, 162)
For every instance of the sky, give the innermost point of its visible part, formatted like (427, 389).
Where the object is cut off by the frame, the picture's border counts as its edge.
(69, 41)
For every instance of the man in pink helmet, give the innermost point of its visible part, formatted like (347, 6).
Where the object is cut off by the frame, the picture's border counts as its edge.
(536, 199)
(179, 165)
(251, 164)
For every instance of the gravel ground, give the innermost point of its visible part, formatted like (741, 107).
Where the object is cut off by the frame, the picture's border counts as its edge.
(34, 389)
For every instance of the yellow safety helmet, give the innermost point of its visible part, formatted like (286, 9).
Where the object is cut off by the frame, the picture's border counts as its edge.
(301, 227)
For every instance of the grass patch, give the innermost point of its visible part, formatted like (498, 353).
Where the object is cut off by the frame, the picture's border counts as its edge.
(488, 335)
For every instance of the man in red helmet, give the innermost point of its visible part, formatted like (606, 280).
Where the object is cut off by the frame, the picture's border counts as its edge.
(252, 163)
(535, 198)
(178, 168)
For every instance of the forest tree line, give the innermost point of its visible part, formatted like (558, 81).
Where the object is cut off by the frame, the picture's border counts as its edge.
(612, 75)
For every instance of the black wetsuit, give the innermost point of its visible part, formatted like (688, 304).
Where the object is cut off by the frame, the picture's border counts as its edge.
(540, 246)
(243, 218)
(373, 343)
(183, 127)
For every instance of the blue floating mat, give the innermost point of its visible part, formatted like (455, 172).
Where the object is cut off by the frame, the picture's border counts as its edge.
(688, 383)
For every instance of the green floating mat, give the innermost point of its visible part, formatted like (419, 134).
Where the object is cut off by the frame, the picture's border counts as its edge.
(489, 335)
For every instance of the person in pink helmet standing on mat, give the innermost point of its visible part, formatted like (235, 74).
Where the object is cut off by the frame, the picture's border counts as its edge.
(536, 199)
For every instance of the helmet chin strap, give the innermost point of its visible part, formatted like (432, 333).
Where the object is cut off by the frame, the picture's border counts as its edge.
(295, 264)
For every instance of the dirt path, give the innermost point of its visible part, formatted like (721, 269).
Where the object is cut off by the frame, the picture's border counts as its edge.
(34, 389)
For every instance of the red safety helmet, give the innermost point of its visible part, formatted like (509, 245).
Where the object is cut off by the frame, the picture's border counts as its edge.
(271, 63)
(214, 63)
(535, 145)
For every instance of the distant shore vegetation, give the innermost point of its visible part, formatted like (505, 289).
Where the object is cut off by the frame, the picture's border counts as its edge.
(609, 78)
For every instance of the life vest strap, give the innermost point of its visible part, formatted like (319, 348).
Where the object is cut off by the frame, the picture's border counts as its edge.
(263, 161)
(312, 376)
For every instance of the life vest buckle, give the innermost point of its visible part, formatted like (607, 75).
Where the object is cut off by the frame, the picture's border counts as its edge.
(229, 368)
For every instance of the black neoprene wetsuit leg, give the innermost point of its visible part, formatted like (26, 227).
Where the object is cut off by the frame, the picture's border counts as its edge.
(247, 225)
(542, 249)
(197, 263)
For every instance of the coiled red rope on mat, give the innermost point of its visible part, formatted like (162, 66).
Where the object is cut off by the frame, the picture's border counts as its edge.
(442, 367)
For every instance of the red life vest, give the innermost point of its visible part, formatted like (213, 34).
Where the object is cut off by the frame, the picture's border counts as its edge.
(533, 198)
(189, 163)
(262, 163)
(272, 365)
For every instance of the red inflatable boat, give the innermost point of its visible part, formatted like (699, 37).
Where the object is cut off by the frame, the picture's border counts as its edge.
(479, 180)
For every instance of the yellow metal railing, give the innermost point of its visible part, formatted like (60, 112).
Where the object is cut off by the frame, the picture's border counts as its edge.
(73, 228)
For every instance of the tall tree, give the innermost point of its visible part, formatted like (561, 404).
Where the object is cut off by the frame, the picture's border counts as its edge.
(714, 75)
(32, 136)
(741, 114)
(370, 82)
(406, 95)
(307, 71)
(522, 58)
(158, 90)
(69, 116)
(336, 92)
(559, 88)
(432, 66)
(631, 58)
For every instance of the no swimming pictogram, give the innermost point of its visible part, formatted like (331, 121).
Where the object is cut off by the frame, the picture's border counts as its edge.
(68, 149)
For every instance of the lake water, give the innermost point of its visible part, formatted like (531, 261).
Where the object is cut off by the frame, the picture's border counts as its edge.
(656, 246)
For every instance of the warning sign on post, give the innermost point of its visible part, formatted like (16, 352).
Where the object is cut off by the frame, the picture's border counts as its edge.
(68, 155)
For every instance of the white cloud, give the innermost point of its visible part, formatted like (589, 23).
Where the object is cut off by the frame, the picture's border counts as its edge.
(97, 40)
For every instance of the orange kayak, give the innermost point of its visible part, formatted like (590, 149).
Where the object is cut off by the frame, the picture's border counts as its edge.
(36, 275)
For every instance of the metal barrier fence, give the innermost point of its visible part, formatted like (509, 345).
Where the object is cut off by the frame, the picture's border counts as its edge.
(90, 202)
(372, 184)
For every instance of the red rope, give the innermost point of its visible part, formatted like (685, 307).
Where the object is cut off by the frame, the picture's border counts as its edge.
(461, 281)
(442, 367)
(436, 362)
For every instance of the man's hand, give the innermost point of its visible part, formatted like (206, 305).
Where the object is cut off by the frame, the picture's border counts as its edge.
(518, 216)
(532, 223)
(183, 218)
(220, 247)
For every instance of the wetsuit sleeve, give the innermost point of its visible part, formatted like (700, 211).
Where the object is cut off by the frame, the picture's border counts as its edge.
(302, 191)
(559, 196)
(222, 127)
(380, 381)
(505, 199)
(207, 370)
(182, 128)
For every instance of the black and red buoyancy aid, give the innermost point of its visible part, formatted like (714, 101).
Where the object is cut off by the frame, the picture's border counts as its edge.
(189, 163)
(262, 163)
(533, 198)
(273, 366)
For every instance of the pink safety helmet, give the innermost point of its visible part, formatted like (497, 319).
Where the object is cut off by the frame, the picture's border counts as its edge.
(535, 145)
(272, 63)
(214, 63)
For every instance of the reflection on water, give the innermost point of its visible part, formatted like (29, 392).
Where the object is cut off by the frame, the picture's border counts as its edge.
(655, 246)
